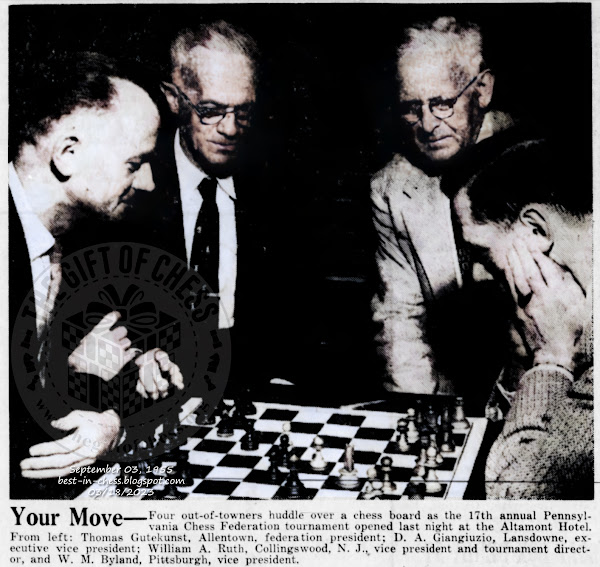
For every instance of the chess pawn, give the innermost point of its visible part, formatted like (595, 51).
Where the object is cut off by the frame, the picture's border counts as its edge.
(439, 459)
(431, 459)
(432, 483)
(412, 433)
(402, 441)
(225, 428)
(388, 485)
(250, 440)
(414, 490)
(459, 421)
(369, 491)
(447, 445)
(293, 487)
(318, 462)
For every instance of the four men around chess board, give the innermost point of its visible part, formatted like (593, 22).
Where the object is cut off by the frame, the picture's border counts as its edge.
(516, 217)
(445, 90)
(527, 215)
(84, 136)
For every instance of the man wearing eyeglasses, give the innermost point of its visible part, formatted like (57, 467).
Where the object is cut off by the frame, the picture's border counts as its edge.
(212, 216)
(445, 90)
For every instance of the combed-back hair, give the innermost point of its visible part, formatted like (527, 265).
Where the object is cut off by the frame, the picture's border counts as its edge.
(446, 36)
(49, 89)
(530, 171)
(219, 35)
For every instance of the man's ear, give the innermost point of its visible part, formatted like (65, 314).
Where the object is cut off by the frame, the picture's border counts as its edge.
(485, 89)
(64, 157)
(535, 228)
(172, 95)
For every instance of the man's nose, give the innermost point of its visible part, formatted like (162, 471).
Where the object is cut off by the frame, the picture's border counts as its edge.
(428, 121)
(228, 126)
(143, 179)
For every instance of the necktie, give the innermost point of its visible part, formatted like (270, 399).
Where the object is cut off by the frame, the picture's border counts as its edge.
(205, 248)
(55, 278)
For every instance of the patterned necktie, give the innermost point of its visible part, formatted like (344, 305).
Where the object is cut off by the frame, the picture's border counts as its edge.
(205, 248)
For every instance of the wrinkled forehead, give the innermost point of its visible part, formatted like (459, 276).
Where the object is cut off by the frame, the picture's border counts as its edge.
(200, 66)
(425, 75)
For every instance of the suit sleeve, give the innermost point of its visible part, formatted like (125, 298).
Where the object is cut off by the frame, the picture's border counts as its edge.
(398, 307)
(545, 450)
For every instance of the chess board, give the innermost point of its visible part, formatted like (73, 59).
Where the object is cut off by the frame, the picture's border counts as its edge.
(221, 469)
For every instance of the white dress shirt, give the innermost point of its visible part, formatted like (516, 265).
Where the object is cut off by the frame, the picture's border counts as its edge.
(39, 245)
(191, 200)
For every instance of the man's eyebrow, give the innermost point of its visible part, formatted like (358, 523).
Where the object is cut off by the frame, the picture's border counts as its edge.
(143, 157)
(215, 103)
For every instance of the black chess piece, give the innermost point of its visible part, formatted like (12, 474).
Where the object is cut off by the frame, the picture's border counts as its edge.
(250, 441)
(183, 469)
(293, 489)
(225, 427)
(415, 491)
(284, 449)
(431, 419)
(274, 458)
(205, 418)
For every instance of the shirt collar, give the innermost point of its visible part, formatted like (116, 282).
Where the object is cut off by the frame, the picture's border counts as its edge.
(190, 175)
(37, 236)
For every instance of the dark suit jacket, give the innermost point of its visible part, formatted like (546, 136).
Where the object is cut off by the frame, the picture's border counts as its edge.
(156, 219)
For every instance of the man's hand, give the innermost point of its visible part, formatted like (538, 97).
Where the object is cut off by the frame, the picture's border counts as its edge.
(94, 435)
(551, 305)
(152, 365)
(103, 338)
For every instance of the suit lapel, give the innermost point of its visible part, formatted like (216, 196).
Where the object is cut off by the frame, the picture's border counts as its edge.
(425, 211)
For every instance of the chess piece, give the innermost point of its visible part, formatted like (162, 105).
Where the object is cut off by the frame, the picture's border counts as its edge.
(432, 483)
(318, 462)
(182, 469)
(431, 456)
(388, 485)
(431, 419)
(370, 491)
(412, 433)
(274, 458)
(284, 451)
(414, 490)
(348, 478)
(225, 428)
(459, 422)
(250, 441)
(447, 445)
(419, 469)
(439, 459)
(402, 441)
(293, 489)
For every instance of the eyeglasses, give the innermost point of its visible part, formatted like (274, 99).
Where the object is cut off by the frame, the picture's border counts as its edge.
(441, 108)
(211, 114)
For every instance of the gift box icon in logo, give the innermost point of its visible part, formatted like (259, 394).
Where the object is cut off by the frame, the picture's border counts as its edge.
(147, 327)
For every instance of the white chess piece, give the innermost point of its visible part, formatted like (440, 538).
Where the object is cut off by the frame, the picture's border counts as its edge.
(318, 462)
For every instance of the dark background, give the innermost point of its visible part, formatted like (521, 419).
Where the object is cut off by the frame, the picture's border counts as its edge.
(328, 94)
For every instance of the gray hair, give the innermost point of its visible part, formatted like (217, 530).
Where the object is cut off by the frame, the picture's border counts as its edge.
(220, 36)
(461, 41)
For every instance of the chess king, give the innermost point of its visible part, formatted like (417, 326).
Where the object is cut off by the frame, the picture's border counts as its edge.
(527, 214)
(81, 136)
